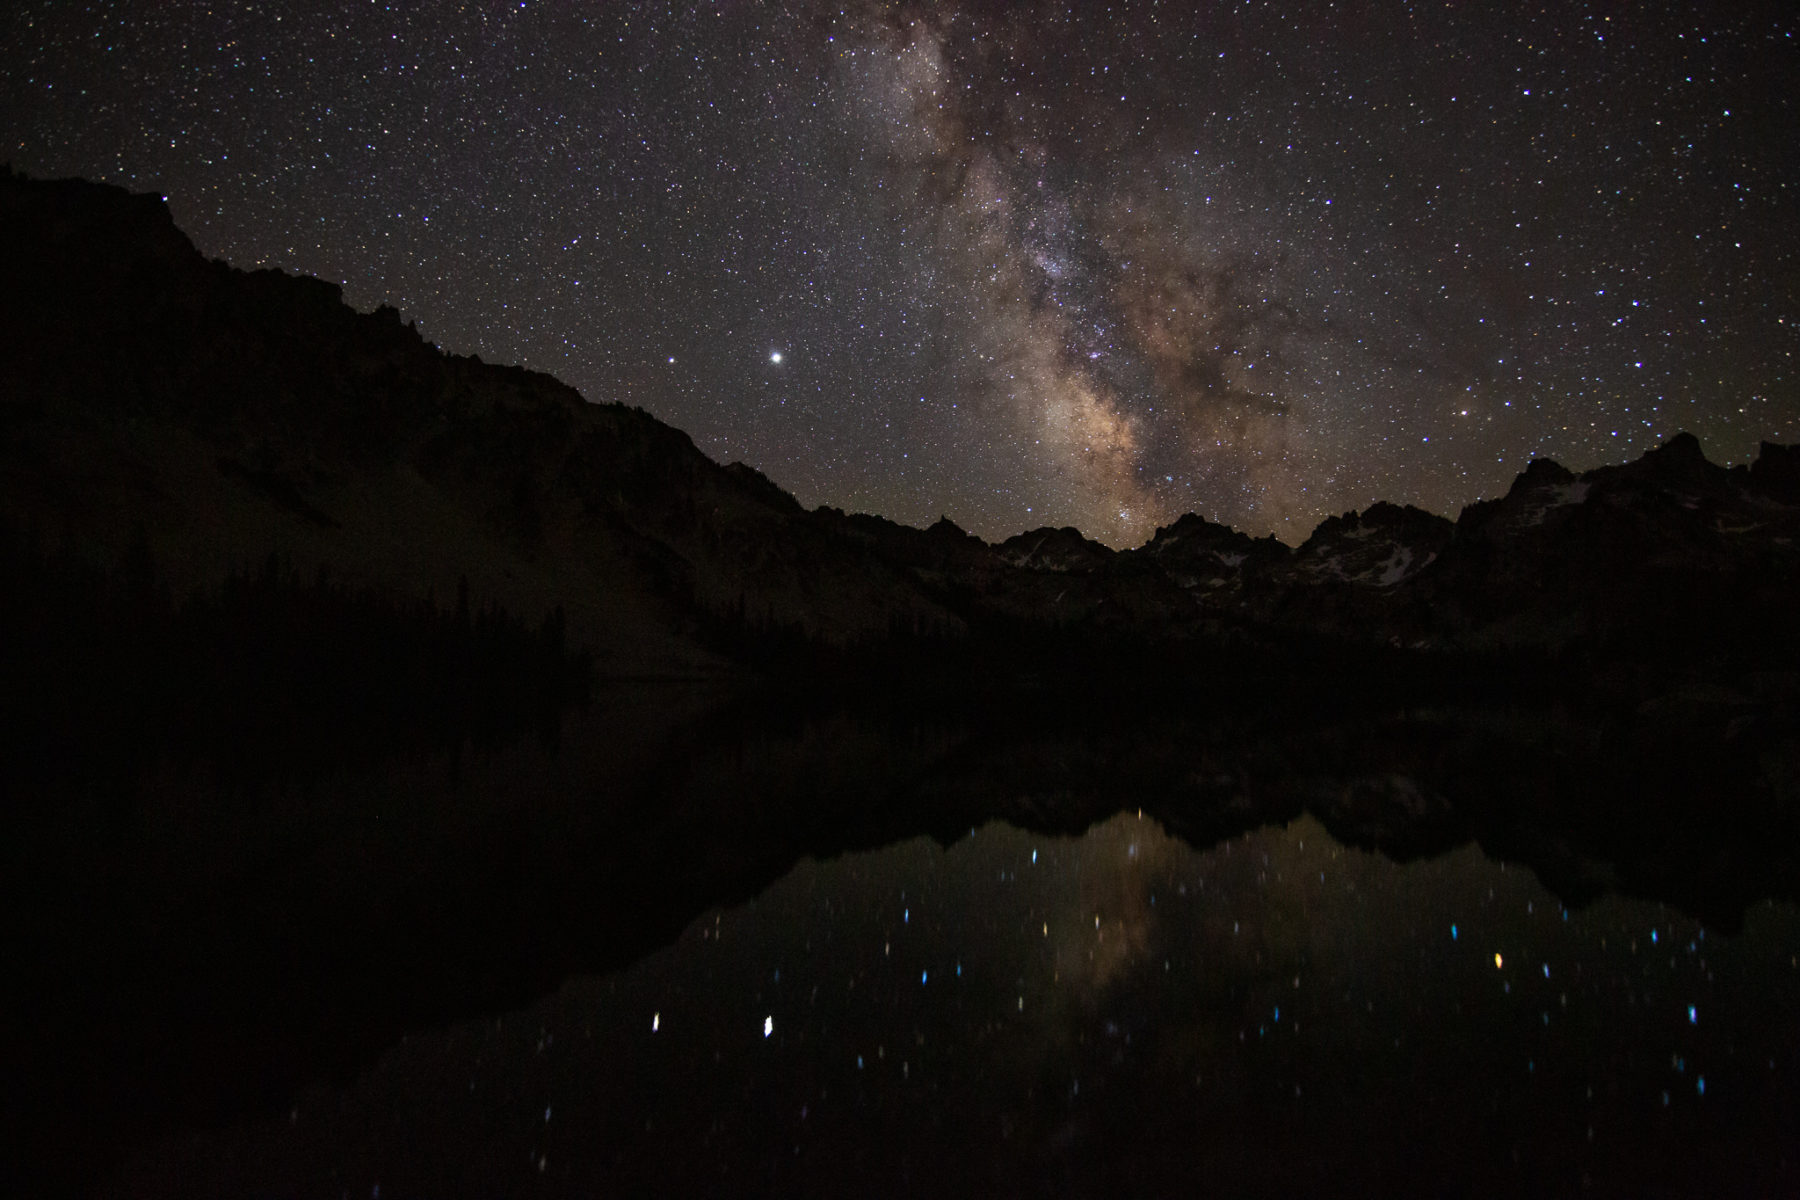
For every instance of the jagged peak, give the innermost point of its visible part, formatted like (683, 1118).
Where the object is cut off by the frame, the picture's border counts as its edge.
(1678, 461)
(1047, 532)
(1543, 484)
(1538, 478)
(1187, 528)
(1382, 516)
(1189, 524)
(1683, 447)
(1192, 533)
(1541, 471)
(1775, 450)
(1051, 548)
(1776, 472)
(1386, 512)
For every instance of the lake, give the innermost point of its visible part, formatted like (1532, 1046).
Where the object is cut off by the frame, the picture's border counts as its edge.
(1004, 1011)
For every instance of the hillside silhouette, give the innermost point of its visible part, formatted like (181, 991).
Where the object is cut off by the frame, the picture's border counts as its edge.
(352, 686)
(154, 399)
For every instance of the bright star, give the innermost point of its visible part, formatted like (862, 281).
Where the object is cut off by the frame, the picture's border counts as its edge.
(775, 356)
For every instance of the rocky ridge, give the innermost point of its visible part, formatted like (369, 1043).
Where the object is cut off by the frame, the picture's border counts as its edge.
(147, 392)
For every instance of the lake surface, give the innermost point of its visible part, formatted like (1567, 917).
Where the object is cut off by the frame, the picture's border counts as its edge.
(1115, 1012)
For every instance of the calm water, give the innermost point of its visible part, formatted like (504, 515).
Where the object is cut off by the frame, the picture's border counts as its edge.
(1115, 1013)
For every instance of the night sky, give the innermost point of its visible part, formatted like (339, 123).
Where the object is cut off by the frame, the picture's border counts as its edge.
(1018, 264)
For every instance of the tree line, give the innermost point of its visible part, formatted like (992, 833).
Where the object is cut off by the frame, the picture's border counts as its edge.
(103, 668)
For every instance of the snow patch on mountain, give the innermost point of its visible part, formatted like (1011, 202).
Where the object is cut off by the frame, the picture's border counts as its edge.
(1397, 567)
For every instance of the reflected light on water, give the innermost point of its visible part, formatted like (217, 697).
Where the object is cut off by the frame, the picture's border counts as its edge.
(1274, 1012)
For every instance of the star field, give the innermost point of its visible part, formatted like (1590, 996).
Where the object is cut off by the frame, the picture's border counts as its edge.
(1044, 263)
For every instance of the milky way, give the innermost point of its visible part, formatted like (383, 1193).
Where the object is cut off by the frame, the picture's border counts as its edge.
(1017, 264)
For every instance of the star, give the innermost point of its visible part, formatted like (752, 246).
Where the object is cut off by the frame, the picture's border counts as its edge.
(963, 206)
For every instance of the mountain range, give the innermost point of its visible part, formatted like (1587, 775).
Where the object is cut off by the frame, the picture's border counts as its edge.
(149, 395)
(242, 524)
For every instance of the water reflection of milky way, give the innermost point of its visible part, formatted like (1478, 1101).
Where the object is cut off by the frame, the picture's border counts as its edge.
(1020, 1011)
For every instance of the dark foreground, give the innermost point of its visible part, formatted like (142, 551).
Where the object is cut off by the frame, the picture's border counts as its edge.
(1283, 974)
(1111, 1014)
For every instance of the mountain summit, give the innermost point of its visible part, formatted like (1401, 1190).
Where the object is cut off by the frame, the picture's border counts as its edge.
(218, 416)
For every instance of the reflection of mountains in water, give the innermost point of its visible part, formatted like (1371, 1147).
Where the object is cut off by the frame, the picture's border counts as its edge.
(291, 852)
(1110, 1013)
(358, 907)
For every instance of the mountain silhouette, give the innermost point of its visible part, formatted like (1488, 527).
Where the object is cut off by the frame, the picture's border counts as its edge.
(227, 414)
(222, 415)
(244, 525)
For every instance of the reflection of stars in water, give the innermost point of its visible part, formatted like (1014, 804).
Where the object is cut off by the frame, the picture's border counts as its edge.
(1274, 990)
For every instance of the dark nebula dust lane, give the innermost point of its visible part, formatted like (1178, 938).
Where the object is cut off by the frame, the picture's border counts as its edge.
(1017, 264)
